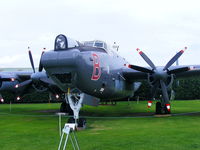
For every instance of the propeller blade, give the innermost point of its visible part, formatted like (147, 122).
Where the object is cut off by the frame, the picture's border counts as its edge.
(164, 92)
(1, 98)
(23, 84)
(154, 89)
(7, 79)
(174, 59)
(142, 69)
(179, 70)
(148, 61)
(31, 60)
(40, 65)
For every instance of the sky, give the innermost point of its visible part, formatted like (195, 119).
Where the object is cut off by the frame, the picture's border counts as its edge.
(160, 28)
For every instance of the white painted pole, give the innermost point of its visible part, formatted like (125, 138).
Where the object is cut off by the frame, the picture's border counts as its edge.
(59, 123)
(138, 98)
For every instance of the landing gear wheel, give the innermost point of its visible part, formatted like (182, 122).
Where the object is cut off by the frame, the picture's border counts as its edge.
(66, 108)
(81, 122)
(158, 108)
(166, 111)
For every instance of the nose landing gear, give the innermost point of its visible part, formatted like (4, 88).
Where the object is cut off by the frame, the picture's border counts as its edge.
(75, 99)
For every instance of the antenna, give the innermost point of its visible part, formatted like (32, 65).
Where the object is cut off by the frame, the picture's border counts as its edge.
(115, 46)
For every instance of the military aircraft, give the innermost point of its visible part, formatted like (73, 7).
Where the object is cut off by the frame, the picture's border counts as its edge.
(89, 72)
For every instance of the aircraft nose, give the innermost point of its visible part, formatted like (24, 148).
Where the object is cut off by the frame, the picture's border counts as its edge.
(58, 60)
(61, 66)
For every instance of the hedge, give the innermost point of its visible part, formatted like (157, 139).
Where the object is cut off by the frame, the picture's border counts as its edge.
(185, 89)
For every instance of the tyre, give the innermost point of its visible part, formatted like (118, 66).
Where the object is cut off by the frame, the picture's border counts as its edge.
(81, 122)
(66, 108)
(166, 111)
(158, 108)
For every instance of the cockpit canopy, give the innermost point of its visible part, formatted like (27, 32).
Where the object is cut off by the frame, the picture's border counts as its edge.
(63, 43)
(96, 43)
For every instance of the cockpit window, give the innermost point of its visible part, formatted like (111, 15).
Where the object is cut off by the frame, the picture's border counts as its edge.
(72, 43)
(98, 44)
(89, 43)
(63, 43)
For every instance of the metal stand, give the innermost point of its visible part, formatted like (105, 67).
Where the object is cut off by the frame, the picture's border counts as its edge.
(69, 128)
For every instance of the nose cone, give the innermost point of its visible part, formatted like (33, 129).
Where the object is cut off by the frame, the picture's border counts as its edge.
(58, 60)
(61, 66)
(160, 74)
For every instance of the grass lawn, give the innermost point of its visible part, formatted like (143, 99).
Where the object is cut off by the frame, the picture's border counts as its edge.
(34, 127)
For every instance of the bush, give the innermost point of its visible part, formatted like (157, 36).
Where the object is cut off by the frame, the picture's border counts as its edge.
(185, 89)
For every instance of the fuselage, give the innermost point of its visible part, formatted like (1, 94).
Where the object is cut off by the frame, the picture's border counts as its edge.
(92, 70)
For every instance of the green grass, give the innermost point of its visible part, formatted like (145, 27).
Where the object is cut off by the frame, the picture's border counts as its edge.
(27, 127)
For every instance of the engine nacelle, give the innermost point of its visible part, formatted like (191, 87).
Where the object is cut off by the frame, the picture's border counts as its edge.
(37, 84)
(168, 81)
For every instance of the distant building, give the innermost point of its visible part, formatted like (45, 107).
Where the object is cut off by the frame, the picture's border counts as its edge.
(16, 69)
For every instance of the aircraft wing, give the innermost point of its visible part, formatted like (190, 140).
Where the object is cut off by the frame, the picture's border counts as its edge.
(193, 71)
(21, 81)
(23, 75)
(10, 76)
(133, 75)
(190, 71)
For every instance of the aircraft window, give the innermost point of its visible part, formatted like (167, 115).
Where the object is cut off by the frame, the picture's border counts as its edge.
(72, 43)
(61, 42)
(89, 43)
(105, 46)
(98, 44)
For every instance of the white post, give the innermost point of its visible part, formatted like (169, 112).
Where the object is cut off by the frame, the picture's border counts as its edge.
(60, 123)
(138, 99)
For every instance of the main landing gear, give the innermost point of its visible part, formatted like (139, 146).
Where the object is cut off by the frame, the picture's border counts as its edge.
(162, 108)
(74, 99)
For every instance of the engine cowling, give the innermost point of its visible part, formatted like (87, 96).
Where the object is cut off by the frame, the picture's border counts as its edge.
(37, 84)
(168, 81)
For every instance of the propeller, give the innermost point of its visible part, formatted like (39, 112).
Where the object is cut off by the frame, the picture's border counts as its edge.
(33, 76)
(40, 64)
(142, 69)
(174, 59)
(32, 62)
(7, 79)
(24, 84)
(148, 61)
(31, 59)
(159, 76)
(1, 99)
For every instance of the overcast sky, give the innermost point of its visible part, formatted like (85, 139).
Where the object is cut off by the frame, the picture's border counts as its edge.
(159, 28)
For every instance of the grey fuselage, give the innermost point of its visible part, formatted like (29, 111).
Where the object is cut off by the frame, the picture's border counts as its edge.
(92, 70)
